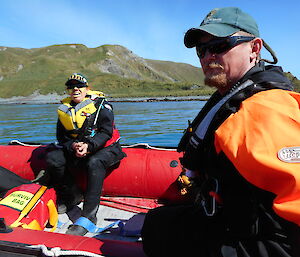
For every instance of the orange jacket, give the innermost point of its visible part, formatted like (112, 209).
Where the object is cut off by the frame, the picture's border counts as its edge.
(252, 139)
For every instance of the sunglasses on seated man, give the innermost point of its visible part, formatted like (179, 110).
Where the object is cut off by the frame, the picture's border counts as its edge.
(78, 85)
(220, 45)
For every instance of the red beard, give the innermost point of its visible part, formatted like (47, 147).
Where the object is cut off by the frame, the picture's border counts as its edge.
(215, 76)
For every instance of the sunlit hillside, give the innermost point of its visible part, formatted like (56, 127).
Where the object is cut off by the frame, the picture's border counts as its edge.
(111, 68)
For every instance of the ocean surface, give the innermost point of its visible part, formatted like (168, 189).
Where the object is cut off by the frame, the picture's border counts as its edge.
(155, 123)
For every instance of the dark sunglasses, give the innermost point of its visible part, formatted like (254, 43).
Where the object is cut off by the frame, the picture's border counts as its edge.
(220, 45)
(72, 86)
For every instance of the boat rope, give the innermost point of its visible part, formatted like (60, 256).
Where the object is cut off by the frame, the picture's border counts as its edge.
(147, 146)
(17, 142)
(56, 251)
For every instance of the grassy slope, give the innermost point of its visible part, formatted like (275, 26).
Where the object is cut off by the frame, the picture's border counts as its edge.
(112, 69)
(24, 71)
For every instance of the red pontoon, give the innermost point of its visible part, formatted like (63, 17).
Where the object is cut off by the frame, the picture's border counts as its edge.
(145, 179)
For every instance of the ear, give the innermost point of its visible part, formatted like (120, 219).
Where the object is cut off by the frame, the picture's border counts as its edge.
(256, 46)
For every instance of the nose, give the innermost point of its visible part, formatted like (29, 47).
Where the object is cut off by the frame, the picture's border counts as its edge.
(210, 54)
(208, 57)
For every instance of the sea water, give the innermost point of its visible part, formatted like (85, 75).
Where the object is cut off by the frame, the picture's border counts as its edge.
(154, 123)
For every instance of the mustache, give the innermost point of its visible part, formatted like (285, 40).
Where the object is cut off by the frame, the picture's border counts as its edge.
(214, 65)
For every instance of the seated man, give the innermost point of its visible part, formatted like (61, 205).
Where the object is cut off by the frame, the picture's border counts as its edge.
(244, 146)
(87, 138)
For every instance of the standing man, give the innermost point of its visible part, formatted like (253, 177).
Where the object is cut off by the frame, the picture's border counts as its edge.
(89, 140)
(243, 148)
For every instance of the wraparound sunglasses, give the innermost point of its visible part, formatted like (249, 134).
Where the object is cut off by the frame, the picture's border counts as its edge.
(71, 86)
(220, 45)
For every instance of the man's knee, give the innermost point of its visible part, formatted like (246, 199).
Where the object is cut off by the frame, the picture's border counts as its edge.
(55, 159)
(95, 167)
(94, 162)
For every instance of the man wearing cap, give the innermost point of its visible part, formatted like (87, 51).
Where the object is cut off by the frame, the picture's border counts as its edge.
(243, 149)
(88, 140)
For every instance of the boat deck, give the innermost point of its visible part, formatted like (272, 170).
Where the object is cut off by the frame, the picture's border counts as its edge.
(120, 237)
(128, 227)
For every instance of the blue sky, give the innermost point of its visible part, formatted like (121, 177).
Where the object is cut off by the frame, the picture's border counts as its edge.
(152, 29)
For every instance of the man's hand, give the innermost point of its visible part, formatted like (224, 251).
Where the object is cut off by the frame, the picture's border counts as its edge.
(80, 148)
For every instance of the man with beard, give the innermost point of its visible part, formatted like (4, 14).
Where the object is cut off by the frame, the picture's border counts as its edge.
(242, 149)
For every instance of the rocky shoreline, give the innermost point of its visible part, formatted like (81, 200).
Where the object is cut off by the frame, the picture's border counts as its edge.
(55, 99)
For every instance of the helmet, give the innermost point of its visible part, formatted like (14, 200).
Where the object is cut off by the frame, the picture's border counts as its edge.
(77, 77)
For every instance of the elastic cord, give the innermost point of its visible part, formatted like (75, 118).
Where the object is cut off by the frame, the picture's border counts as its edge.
(275, 60)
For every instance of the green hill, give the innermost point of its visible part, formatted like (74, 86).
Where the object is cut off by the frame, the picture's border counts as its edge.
(110, 68)
(113, 69)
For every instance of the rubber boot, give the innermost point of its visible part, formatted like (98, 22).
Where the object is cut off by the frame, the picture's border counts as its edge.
(89, 211)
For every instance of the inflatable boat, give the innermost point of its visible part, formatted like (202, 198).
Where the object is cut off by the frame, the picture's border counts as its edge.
(145, 179)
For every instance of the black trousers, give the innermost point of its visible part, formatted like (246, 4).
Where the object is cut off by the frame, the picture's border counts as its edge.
(185, 231)
(60, 162)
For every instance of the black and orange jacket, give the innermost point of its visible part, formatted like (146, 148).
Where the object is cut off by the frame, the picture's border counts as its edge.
(262, 142)
(247, 145)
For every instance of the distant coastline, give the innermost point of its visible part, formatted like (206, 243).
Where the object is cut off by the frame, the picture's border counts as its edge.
(55, 99)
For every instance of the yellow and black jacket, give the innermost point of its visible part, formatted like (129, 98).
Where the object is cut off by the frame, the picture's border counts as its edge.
(76, 122)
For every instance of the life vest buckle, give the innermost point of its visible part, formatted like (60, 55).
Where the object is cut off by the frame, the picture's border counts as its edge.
(210, 201)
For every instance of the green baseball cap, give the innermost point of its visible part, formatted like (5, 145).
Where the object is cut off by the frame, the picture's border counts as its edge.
(222, 22)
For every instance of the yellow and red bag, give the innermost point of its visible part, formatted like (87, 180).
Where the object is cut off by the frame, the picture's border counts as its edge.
(30, 206)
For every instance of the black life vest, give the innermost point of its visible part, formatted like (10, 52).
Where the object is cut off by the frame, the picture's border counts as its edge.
(242, 203)
(197, 141)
